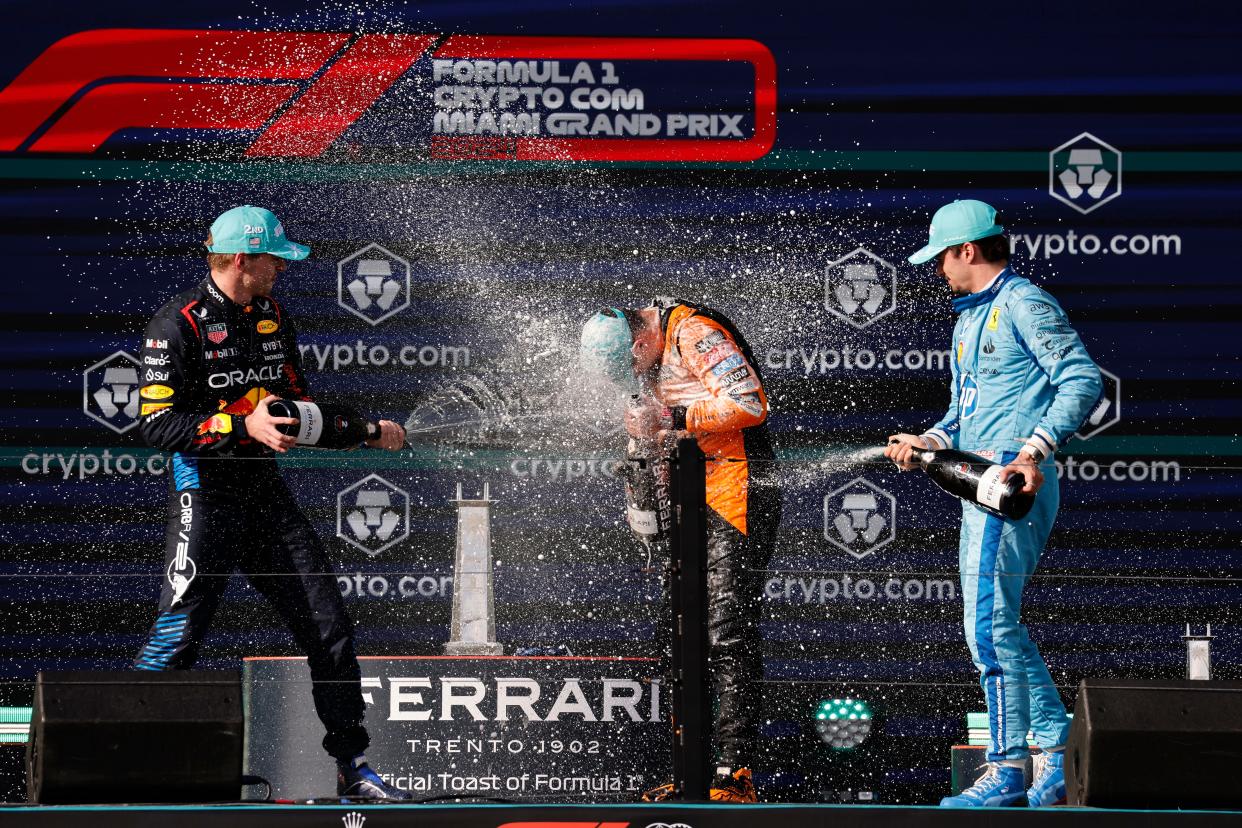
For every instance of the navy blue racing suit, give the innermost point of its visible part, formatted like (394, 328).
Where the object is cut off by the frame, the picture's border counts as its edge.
(206, 363)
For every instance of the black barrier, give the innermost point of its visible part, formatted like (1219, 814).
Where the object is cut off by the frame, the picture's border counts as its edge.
(691, 682)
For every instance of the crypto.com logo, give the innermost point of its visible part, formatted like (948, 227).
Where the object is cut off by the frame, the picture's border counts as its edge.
(1084, 173)
(302, 90)
(1107, 411)
(110, 391)
(372, 514)
(860, 518)
(860, 288)
(373, 284)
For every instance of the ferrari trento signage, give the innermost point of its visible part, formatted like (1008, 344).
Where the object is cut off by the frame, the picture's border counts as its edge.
(523, 729)
(300, 93)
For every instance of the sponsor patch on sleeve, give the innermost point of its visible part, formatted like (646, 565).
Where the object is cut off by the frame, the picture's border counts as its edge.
(750, 403)
(156, 392)
(728, 364)
(151, 408)
(708, 342)
(217, 424)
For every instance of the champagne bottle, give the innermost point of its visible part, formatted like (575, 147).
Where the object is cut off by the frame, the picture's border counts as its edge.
(323, 425)
(648, 508)
(976, 480)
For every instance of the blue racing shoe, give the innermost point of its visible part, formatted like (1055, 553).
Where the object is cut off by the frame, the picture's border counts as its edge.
(1049, 785)
(1001, 787)
(356, 781)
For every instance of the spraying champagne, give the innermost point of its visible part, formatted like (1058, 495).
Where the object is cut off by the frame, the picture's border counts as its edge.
(977, 481)
(324, 425)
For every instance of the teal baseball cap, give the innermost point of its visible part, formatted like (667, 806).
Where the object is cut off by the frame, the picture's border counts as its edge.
(955, 223)
(606, 344)
(249, 229)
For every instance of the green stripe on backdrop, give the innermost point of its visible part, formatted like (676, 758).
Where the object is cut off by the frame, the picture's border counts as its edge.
(1135, 446)
(296, 171)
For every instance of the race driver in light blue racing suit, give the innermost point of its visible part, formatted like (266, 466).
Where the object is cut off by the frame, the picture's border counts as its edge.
(1022, 385)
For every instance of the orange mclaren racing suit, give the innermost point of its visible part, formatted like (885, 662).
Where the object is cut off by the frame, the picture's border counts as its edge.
(206, 363)
(708, 379)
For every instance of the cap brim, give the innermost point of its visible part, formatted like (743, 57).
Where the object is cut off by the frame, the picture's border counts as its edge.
(291, 250)
(927, 253)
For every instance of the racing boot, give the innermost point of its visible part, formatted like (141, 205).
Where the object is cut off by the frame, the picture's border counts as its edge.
(356, 781)
(660, 793)
(1048, 788)
(1001, 787)
(733, 787)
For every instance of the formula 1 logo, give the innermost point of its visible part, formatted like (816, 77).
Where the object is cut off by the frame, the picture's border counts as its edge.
(373, 284)
(110, 391)
(373, 514)
(1107, 411)
(301, 91)
(1084, 173)
(860, 288)
(860, 518)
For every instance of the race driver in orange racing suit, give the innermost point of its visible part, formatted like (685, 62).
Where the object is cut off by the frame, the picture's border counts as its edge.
(705, 384)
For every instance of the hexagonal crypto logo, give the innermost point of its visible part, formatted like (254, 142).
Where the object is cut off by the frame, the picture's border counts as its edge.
(110, 391)
(1084, 173)
(373, 284)
(372, 514)
(860, 518)
(860, 288)
(1107, 411)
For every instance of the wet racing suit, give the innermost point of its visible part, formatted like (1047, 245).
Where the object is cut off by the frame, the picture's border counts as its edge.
(708, 379)
(206, 363)
(1020, 376)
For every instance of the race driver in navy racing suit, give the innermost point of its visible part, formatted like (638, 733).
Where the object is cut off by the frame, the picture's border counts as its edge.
(213, 359)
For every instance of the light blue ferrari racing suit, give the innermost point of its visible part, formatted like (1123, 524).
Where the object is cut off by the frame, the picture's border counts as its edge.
(1020, 376)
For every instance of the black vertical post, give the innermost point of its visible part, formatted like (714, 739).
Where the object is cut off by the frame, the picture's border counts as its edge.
(691, 683)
